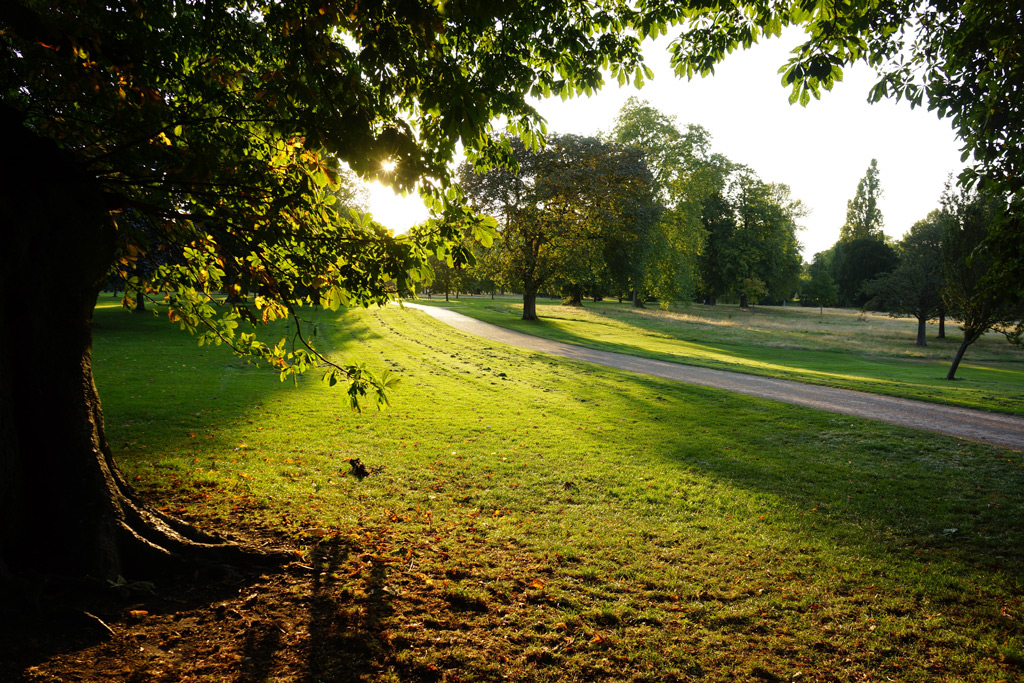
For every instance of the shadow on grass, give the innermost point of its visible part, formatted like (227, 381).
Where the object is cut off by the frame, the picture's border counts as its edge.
(985, 387)
(187, 385)
(881, 491)
(346, 621)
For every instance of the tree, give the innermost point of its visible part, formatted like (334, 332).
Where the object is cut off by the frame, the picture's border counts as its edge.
(960, 59)
(221, 125)
(560, 210)
(817, 284)
(768, 226)
(719, 221)
(914, 287)
(966, 268)
(857, 261)
(863, 217)
(751, 249)
(686, 174)
(447, 276)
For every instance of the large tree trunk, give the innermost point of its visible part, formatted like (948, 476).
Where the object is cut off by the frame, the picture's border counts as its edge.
(530, 305)
(638, 301)
(922, 328)
(140, 302)
(942, 324)
(743, 301)
(575, 297)
(64, 506)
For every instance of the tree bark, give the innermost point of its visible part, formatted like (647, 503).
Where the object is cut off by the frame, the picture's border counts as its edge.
(922, 327)
(957, 358)
(64, 506)
(575, 297)
(638, 301)
(140, 302)
(530, 305)
(942, 324)
(743, 301)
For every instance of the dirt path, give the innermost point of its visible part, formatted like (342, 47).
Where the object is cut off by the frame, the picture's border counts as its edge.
(975, 425)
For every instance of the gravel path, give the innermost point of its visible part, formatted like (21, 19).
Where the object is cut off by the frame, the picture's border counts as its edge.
(993, 428)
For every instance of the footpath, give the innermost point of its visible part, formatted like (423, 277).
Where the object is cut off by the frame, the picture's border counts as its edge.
(975, 425)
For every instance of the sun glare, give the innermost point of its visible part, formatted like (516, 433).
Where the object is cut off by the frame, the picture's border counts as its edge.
(388, 165)
(396, 211)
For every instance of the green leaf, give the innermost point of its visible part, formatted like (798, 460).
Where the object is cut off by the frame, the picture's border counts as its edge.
(334, 299)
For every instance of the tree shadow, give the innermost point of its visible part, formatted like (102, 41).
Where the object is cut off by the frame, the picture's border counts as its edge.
(879, 490)
(347, 613)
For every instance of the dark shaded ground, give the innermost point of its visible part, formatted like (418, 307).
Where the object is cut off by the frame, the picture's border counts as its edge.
(213, 624)
(298, 622)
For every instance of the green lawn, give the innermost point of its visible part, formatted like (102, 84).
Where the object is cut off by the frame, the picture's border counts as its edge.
(842, 348)
(544, 520)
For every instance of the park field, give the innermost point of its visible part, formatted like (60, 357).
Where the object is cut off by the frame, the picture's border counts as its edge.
(840, 347)
(534, 519)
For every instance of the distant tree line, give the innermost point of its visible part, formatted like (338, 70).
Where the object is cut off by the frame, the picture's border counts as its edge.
(649, 212)
(942, 267)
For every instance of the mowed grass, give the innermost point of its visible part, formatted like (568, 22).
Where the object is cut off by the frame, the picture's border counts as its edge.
(541, 520)
(842, 348)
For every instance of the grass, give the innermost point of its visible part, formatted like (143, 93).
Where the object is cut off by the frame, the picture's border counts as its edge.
(542, 520)
(842, 348)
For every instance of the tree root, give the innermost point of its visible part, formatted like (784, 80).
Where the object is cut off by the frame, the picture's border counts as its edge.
(151, 542)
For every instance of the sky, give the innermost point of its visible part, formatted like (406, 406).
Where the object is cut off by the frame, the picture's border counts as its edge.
(821, 151)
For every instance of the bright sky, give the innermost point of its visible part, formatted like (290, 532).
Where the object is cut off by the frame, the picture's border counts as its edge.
(820, 151)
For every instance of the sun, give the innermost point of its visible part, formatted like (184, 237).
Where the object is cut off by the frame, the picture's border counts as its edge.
(388, 165)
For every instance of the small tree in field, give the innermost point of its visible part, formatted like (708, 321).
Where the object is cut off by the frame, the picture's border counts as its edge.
(817, 285)
(914, 287)
(967, 264)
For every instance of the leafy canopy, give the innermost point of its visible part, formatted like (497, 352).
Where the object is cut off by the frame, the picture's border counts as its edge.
(914, 287)
(562, 209)
(216, 133)
(222, 126)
